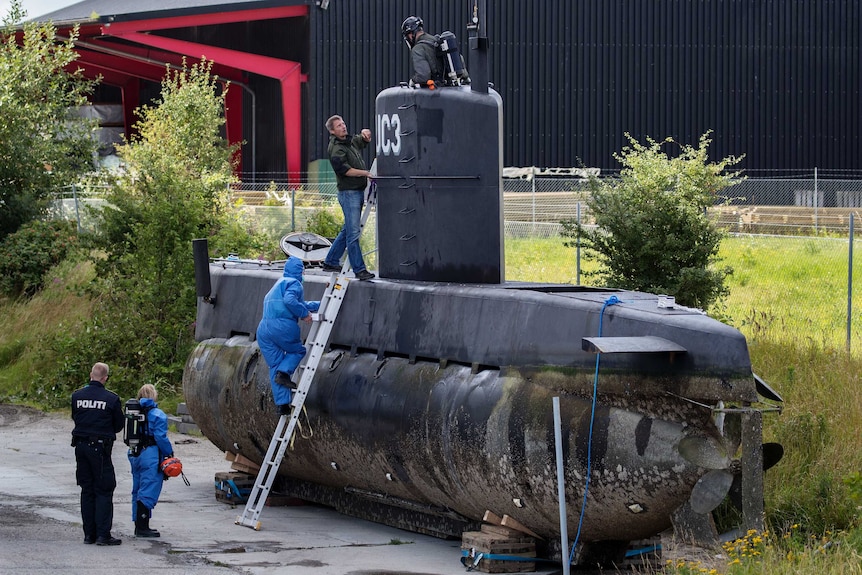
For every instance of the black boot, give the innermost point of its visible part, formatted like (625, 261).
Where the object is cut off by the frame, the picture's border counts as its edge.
(142, 523)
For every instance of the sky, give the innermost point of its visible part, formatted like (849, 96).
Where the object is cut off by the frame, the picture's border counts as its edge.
(36, 8)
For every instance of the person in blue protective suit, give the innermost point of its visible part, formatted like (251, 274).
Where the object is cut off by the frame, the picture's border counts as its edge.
(147, 478)
(278, 333)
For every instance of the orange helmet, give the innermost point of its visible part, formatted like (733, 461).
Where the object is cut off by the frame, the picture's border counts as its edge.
(172, 467)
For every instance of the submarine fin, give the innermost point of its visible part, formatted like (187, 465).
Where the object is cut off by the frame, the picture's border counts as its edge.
(772, 454)
(765, 390)
(638, 344)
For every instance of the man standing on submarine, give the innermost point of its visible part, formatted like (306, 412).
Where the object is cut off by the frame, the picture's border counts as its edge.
(278, 334)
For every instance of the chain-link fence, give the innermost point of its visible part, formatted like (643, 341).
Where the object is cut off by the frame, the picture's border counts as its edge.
(797, 216)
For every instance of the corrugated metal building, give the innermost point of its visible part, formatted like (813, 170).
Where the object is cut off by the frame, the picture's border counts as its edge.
(776, 80)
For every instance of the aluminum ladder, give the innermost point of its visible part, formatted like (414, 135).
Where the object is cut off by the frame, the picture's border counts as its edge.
(315, 346)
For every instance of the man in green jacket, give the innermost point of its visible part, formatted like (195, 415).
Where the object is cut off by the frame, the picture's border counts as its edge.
(352, 178)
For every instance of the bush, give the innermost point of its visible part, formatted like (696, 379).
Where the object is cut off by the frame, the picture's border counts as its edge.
(28, 254)
(324, 223)
(174, 188)
(652, 232)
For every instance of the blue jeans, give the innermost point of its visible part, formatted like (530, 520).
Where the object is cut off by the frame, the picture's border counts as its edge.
(348, 237)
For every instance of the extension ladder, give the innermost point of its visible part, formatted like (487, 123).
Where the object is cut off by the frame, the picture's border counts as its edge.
(315, 346)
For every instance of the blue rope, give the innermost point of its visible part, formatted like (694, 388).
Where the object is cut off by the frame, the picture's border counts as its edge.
(613, 300)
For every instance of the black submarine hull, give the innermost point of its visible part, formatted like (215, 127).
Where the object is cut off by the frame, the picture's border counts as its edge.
(455, 417)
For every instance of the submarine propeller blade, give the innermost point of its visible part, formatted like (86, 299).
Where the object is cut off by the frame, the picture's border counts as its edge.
(710, 490)
(704, 452)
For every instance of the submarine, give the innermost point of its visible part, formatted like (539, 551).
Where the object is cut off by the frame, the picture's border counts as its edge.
(433, 402)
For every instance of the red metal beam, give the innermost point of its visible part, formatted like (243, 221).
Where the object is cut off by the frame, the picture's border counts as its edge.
(137, 66)
(287, 72)
(120, 28)
(157, 57)
(131, 101)
(148, 71)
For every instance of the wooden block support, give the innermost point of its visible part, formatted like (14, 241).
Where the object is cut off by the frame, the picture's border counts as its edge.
(500, 530)
(492, 518)
(233, 487)
(496, 547)
(244, 464)
(513, 523)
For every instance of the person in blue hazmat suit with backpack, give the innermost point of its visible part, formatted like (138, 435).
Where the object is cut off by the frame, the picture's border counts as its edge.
(148, 447)
(278, 334)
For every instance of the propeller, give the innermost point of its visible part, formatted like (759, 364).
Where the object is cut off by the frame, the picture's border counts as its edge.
(709, 453)
(719, 456)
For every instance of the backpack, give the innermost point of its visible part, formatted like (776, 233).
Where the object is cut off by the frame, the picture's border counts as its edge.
(135, 431)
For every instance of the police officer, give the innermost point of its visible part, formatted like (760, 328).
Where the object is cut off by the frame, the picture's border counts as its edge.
(98, 417)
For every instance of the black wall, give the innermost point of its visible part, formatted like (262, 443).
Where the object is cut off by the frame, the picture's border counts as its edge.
(777, 81)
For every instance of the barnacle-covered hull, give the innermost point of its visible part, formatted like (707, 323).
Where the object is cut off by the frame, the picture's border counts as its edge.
(454, 416)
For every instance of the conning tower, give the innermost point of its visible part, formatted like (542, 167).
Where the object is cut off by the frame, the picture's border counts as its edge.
(439, 164)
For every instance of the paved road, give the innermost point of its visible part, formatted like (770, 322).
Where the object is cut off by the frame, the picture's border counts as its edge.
(40, 530)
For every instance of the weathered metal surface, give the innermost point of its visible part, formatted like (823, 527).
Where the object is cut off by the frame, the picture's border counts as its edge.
(461, 440)
(505, 325)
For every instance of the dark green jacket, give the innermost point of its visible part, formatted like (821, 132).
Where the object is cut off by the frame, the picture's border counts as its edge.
(343, 155)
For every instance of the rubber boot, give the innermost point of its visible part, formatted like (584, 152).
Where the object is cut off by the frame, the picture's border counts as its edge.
(142, 523)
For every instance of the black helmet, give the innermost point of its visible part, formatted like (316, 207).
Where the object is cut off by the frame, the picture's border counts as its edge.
(411, 25)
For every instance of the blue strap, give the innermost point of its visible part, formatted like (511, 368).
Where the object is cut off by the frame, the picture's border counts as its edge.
(644, 551)
(233, 488)
(467, 554)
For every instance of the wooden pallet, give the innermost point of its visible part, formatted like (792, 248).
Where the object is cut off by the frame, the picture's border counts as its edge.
(233, 487)
(490, 541)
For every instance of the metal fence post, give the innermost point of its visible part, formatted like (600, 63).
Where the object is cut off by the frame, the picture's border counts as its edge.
(815, 200)
(850, 284)
(533, 182)
(578, 247)
(77, 211)
(293, 209)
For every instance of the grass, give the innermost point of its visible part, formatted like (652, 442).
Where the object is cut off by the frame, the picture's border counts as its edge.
(789, 297)
(28, 327)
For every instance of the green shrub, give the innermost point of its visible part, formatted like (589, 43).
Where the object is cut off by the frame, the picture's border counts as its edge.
(652, 232)
(325, 223)
(175, 188)
(28, 254)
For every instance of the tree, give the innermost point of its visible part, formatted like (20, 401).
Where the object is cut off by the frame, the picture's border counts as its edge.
(42, 147)
(652, 231)
(173, 188)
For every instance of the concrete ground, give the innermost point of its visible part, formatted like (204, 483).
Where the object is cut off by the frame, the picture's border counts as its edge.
(40, 530)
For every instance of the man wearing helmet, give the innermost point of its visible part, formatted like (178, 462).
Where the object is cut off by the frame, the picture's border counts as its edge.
(424, 54)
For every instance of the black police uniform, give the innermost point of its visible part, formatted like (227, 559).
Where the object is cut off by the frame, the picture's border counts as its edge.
(98, 418)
